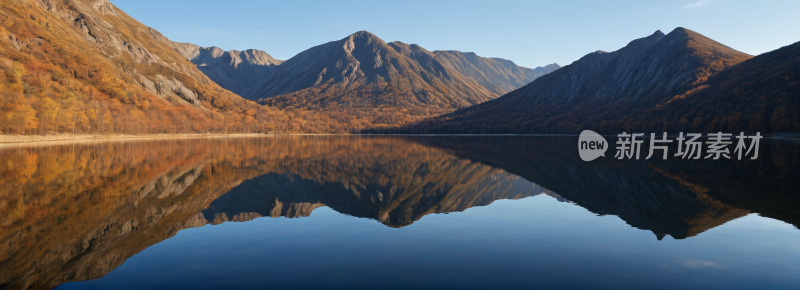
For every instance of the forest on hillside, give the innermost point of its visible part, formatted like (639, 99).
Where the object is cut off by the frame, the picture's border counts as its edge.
(59, 76)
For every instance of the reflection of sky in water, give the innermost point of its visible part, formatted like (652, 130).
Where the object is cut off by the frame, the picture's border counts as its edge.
(533, 241)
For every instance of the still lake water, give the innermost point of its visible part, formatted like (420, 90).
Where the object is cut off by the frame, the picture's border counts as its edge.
(392, 212)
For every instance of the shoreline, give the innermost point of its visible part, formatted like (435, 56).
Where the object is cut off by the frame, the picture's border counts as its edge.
(11, 140)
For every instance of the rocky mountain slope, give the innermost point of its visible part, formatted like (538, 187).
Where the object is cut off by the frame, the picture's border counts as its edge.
(233, 70)
(363, 81)
(496, 74)
(601, 91)
(362, 72)
(106, 72)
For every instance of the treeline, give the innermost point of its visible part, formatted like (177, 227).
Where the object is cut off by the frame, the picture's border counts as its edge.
(34, 104)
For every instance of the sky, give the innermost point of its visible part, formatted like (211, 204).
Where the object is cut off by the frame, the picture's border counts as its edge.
(530, 33)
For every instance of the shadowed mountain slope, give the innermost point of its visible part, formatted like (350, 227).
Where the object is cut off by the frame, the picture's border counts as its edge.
(496, 74)
(601, 91)
(761, 94)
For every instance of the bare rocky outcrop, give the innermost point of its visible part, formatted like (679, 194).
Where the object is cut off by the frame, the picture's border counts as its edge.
(16, 42)
(170, 89)
(165, 87)
(87, 17)
(188, 50)
(104, 7)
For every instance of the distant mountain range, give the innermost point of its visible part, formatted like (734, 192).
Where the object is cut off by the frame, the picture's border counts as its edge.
(495, 74)
(679, 82)
(361, 73)
(361, 81)
(234, 70)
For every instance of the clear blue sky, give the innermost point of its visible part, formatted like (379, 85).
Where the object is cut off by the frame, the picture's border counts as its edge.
(530, 33)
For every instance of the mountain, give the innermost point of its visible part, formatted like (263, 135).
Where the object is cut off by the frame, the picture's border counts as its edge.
(496, 74)
(361, 73)
(363, 81)
(233, 70)
(86, 66)
(761, 94)
(602, 91)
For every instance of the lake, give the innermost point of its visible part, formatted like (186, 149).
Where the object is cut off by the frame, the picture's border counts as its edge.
(392, 212)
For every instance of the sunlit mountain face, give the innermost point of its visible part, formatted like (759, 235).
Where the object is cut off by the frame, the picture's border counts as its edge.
(77, 211)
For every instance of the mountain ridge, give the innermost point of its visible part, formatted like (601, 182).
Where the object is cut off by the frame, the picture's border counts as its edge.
(364, 82)
(599, 90)
(233, 70)
(364, 56)
(496, 74)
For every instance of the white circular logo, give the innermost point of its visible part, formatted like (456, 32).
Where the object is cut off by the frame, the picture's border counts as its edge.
(591, 145)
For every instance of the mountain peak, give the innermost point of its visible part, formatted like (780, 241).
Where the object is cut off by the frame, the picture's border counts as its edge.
(216, 51)
(707, 47)
(359, 39)
(361, 72)
(363, 33)
(363, 36)
(681, 30)
(658, 33)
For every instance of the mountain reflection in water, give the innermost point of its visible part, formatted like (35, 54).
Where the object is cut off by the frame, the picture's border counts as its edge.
(77, 211)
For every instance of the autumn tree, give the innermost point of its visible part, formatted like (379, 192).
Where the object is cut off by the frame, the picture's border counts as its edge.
(66, 118)
(107, 124)
(49, 111)
(24, 118)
